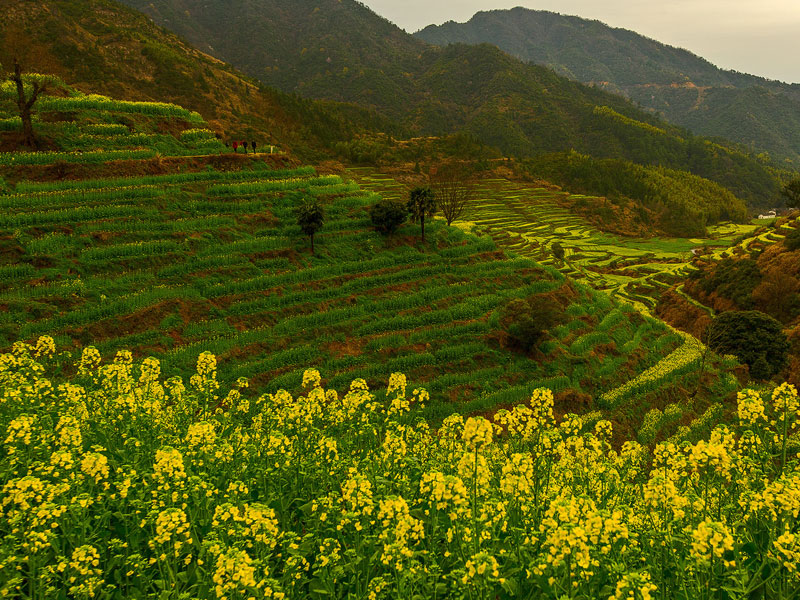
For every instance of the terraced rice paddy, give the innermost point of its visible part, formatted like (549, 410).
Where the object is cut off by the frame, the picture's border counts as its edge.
(186, 262)
(527, 221)
(199, 257)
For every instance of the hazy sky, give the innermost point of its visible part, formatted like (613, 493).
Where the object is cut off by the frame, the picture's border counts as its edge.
(761, 37)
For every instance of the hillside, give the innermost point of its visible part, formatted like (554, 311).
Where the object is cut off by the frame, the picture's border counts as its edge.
(336, 49)
(528, 218)
(521, 109)
(762, 273)
(688, 90)
(100, 46)
(169, 244)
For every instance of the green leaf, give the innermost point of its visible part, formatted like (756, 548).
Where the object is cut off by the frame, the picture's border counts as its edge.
(510, 586)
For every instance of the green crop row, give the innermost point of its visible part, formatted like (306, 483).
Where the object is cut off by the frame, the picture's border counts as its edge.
(90, 157)
(174, 178)
(102, 103)
(260, 187)
(136, 249)
(52, 199)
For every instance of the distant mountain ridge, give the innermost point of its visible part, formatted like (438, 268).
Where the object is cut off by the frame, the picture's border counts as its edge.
(333, 49)
(341, 50)
(756, 112)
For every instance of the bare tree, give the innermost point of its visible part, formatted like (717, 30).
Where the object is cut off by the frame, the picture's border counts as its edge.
(708, 342)
(25, 104)
(455, 188)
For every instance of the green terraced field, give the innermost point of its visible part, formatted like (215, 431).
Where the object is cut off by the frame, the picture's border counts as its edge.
(527, 220)
(197, 258)
(188, 262)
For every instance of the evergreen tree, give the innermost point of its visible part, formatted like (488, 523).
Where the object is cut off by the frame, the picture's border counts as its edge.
(421, 204)
(310, 217)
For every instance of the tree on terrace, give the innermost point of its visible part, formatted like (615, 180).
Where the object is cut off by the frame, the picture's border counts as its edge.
(421, 204)
(310, 217)
(455, 187)
(754, 338)
(388, 214)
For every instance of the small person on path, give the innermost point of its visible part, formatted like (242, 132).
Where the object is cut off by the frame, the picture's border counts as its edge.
(236, 147)
(244, 145)
(253, 144)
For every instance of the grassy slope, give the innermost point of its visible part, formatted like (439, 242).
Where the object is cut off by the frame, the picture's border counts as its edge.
(104, 47)
(773, 286)
(686, 88)
(521, 109)
(191, 259)
(526, 220)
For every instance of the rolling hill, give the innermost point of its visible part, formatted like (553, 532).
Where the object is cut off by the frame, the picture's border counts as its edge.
(758, 113)
(104, 47)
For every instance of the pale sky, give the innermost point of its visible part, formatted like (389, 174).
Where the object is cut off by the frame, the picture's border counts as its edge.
(761, 37)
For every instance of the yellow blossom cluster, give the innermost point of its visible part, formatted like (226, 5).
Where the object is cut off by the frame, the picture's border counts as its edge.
(120, 483)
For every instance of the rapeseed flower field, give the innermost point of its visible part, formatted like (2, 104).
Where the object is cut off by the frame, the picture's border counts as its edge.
(120, 482)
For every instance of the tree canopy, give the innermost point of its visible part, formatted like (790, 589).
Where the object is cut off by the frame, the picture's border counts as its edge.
(388, 214)
(310, 217)
(754, 337)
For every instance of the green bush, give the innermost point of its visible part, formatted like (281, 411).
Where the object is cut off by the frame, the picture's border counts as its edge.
(792, 240)
(754, 338)
(387, 215)
(557, 250)
(527, 321)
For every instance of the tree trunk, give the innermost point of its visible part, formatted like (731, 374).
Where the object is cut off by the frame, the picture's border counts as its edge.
(28, 137)
(26, 104)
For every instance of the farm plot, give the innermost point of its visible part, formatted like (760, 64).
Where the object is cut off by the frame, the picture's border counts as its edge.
(92, 129)
(176, 264)
(188, 260)
(528, 221)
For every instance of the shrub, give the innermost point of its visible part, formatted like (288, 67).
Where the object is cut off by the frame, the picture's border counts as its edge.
(754, 338)
(735, 280)
(558, 250)
(387, 215)
(792, 241)
(526, 322)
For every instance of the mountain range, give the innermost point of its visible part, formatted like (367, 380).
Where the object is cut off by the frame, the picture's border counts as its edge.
(361, 79)
(340, 50)
(760, 114)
